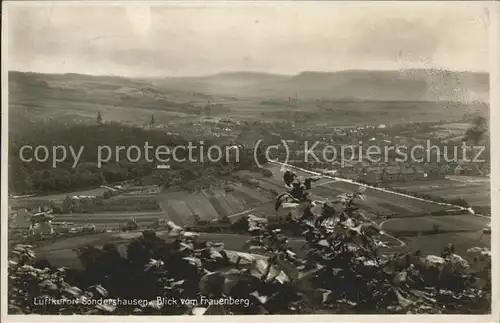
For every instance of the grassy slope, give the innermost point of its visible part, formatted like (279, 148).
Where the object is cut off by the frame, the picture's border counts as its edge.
(345, 97)
(209, 205)
(411, 211)
(433, 244)
(445, 223)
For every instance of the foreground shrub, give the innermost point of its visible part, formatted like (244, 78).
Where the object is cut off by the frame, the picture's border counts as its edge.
(344, 267)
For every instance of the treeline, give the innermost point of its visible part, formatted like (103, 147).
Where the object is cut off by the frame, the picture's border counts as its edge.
(41, 177)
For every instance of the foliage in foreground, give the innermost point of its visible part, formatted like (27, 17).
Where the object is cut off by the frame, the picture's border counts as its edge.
(344, 268)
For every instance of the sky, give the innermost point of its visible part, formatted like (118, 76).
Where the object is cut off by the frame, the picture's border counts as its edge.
(280, 37)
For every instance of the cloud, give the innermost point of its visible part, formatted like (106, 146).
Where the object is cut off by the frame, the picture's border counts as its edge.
(278, 37)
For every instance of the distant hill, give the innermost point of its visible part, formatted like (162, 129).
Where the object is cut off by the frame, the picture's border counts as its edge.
(78, 98)
(241, 77)
(229, 84)
(405, 85)
(346, 96)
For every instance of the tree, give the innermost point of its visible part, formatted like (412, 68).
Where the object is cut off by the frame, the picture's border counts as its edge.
(207, 110)
(477, 130)
(99, 118)
(152, 123)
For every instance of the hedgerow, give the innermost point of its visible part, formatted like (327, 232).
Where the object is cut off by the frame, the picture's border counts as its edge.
(344, 268)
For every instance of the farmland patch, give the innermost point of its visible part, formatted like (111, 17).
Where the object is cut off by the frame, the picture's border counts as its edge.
(438, 223)
(218, 206)
(474, 193)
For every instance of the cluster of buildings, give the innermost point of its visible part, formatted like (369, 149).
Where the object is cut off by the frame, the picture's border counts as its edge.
(76, 203)
(39, 222)
(387, 172)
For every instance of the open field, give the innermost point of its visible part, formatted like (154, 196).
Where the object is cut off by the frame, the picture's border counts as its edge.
(58, 197)
(183, 208)
(148, 203)
(413, 216)
(447, 223)
(434, 243)
(474, 190)
(61, 252)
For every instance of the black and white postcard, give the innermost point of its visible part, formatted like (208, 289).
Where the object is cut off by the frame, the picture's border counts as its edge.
(302, 160)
